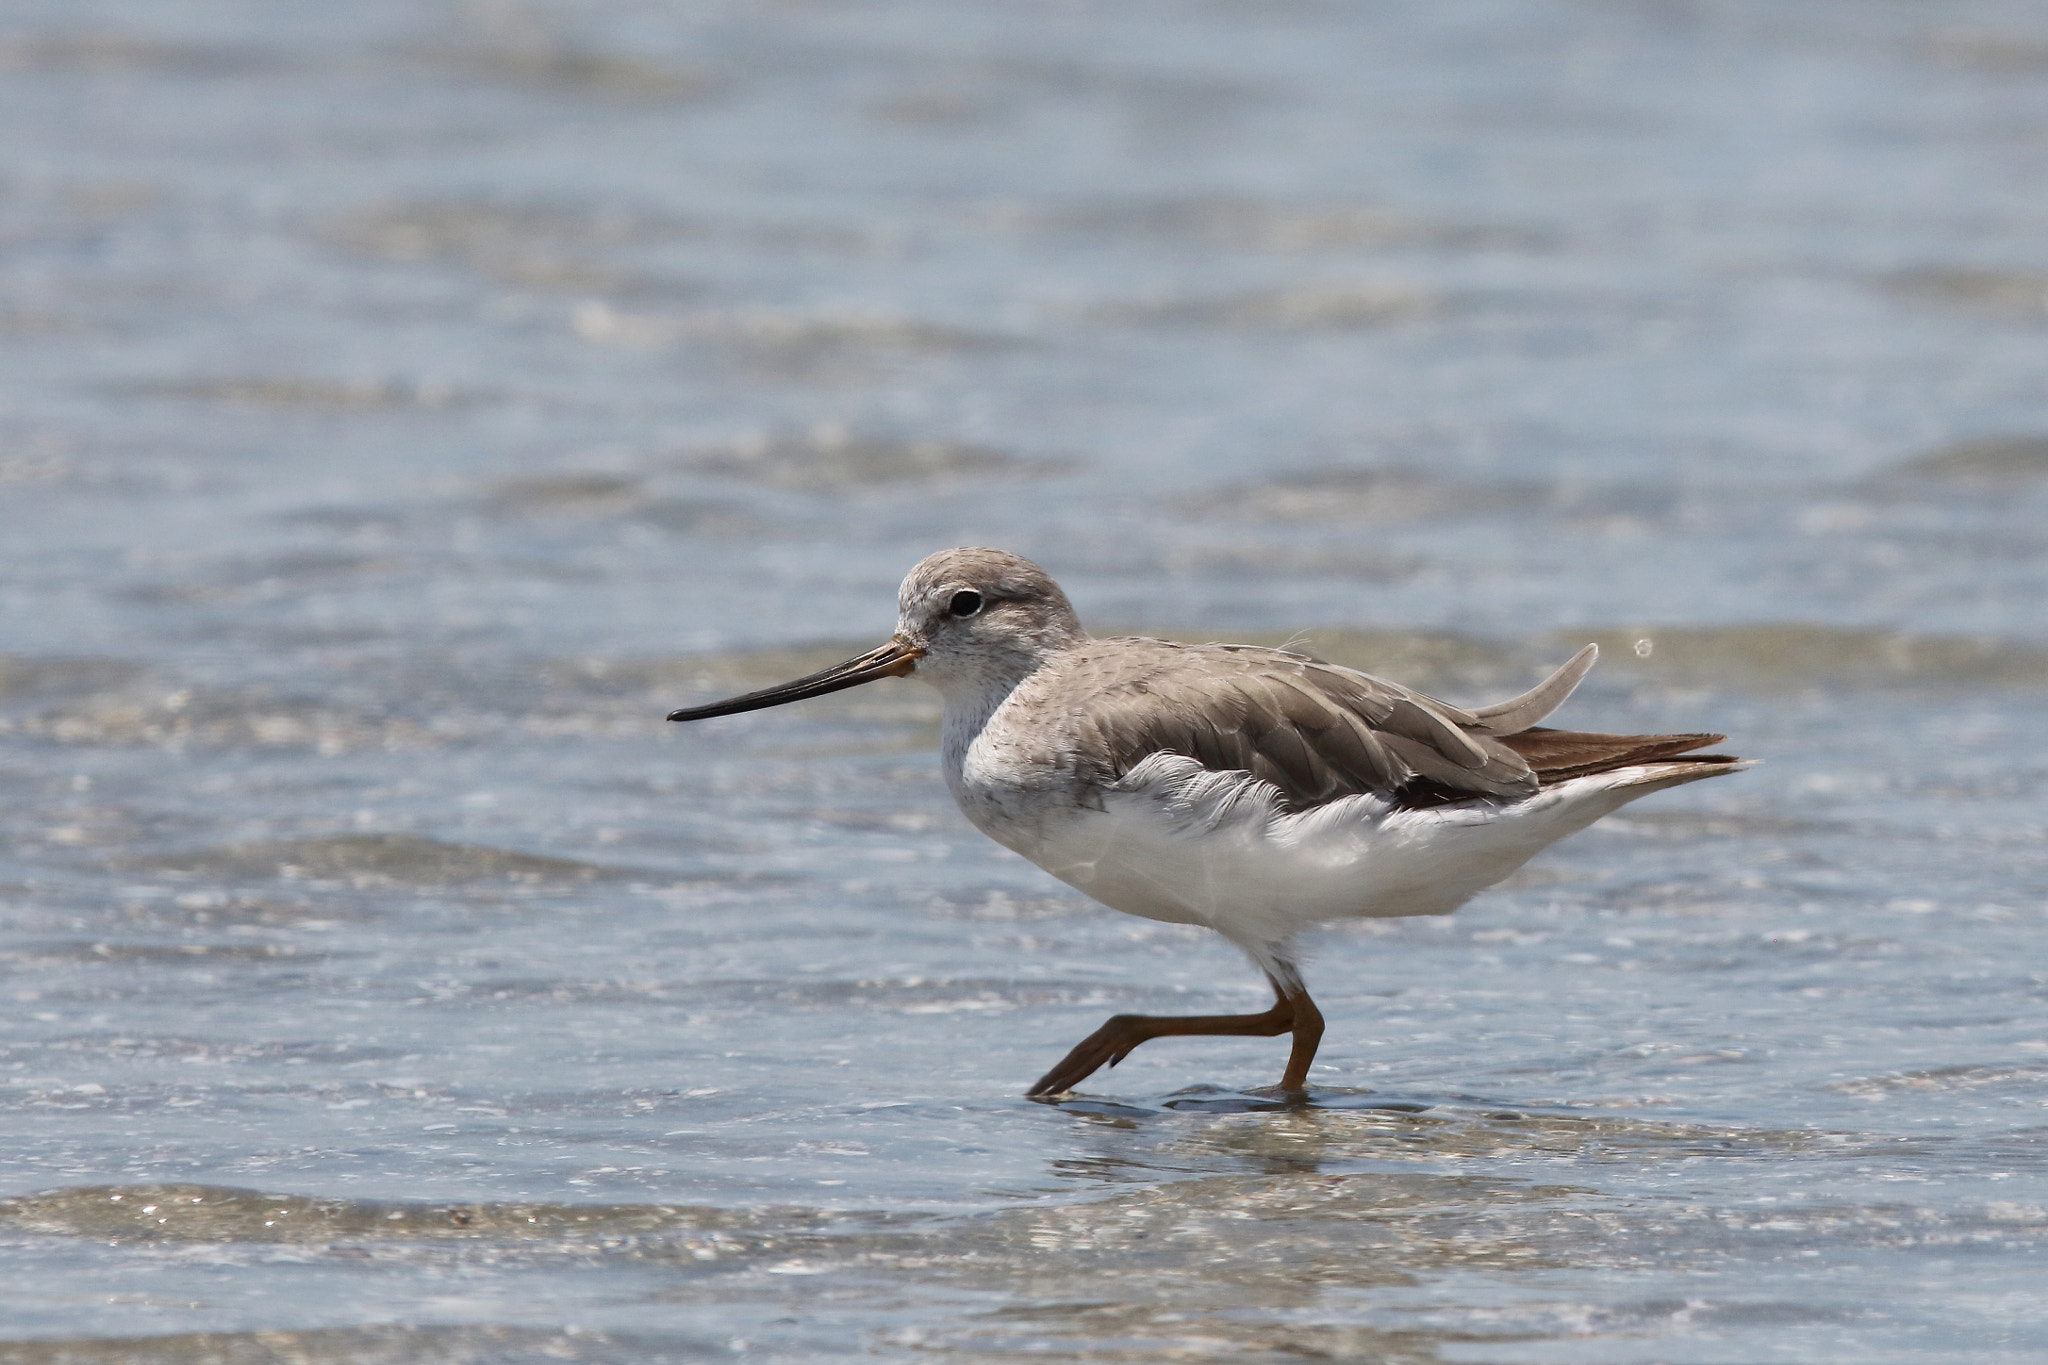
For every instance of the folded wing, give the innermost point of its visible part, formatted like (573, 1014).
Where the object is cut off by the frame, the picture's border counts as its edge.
(1318, 732)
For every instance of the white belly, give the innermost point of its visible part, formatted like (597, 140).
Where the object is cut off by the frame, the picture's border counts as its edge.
(1175, 842)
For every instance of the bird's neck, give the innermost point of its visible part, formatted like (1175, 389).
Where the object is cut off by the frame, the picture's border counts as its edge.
(972, 697)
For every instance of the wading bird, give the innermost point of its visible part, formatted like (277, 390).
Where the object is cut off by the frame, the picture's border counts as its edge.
(1255, 791)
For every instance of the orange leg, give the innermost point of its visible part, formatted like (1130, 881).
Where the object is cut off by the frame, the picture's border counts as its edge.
(1110, 1044)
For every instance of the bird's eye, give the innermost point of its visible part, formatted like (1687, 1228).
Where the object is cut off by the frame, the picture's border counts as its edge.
(964, 603)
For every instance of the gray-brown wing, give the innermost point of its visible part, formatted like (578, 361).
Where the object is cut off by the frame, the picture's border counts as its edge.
(1315, 731)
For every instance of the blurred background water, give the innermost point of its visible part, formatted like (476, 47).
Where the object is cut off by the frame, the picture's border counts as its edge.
(403, 406)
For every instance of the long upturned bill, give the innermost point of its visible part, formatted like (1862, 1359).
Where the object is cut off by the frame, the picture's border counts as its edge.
(895, 659)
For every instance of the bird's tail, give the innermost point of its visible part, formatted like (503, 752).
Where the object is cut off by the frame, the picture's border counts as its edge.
(1560, 755)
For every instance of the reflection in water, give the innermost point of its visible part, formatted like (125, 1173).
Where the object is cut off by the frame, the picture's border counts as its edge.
(1306, 308)
(317, 395)
(367, 1346)
(372, 859)
(832, 348)
(526, 246)
(203, 1213)
(1360, 495)
(1989, 461)
(2016, 294)
(831, 459)
(62, 47)
(1253, 224)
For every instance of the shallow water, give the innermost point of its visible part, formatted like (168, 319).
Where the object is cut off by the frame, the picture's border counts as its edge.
(403, 407)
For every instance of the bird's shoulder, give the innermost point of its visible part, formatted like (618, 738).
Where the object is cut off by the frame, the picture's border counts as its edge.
(1314, 730)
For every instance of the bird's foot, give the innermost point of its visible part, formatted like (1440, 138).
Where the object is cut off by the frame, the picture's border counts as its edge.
(1106, 1046)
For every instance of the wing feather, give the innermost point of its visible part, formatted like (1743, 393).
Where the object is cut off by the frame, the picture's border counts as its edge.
(1319, 732)
(1515, 716)
(1315, 731)
(1560, 755)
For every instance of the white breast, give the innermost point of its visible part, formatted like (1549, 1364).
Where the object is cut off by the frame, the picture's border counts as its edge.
(1000, 783)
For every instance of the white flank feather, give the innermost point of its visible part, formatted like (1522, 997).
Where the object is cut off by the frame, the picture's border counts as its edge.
(1176, 842)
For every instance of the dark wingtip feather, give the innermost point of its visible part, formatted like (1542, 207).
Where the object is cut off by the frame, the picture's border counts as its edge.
(1561, 755)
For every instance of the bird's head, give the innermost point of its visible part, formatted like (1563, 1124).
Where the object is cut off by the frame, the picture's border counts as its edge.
(964, 618)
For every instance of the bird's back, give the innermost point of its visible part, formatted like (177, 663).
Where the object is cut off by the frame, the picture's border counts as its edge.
(1315, 731)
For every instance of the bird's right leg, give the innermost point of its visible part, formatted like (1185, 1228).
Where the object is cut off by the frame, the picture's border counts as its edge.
(1291, 1013)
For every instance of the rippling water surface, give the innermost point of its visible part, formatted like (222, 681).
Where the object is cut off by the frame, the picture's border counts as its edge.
(403, 406)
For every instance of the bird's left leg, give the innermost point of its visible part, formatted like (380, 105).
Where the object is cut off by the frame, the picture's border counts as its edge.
(1292, 1012)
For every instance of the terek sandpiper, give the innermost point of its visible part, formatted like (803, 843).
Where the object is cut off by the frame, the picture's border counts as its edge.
(1255, 791)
